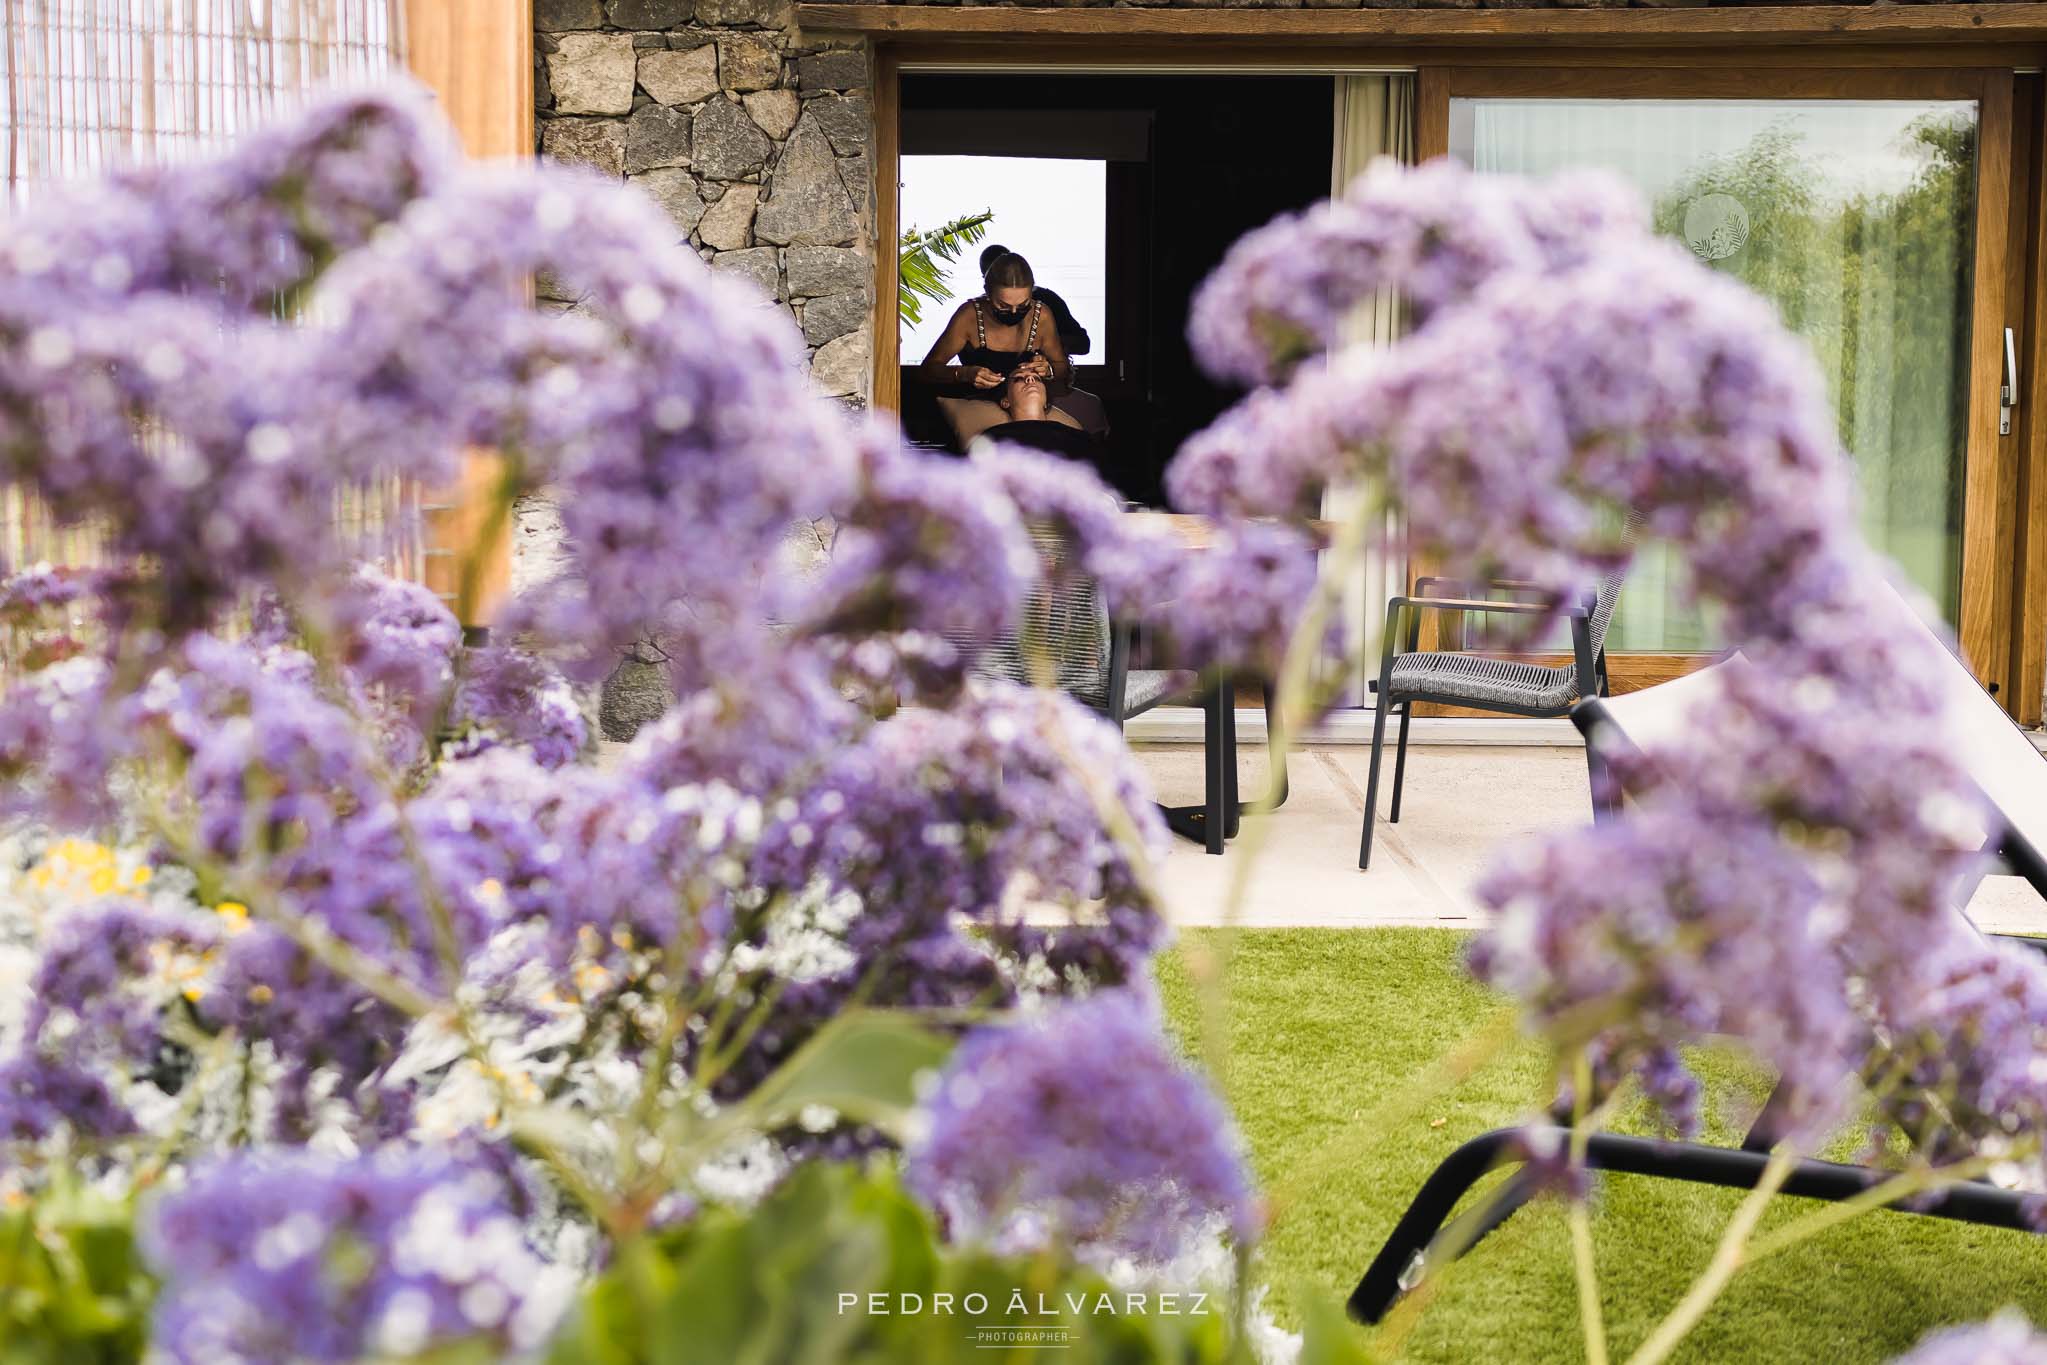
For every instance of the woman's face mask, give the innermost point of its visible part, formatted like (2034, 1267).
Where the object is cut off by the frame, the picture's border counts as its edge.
(1009, 316)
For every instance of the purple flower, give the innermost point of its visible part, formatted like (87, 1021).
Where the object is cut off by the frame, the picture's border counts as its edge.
(509, 697)
(930, 545)
(41, 1095)
(2007, 1339)
(91, 968)
(940, 819)
(1081, 1125)
(295, 1256)
(1784, 872)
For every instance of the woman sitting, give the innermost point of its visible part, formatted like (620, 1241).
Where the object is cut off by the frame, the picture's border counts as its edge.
(1003, 330)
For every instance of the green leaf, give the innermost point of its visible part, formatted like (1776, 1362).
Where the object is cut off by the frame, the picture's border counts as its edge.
(864, 1064)
(918, 276)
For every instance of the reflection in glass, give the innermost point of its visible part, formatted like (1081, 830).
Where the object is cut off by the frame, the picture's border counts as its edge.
(1852, 216)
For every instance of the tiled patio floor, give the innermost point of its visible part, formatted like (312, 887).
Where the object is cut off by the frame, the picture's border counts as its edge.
(1461, 803)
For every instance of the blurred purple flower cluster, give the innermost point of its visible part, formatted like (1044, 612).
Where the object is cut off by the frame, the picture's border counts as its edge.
(1021, 1153)
(1785, 873)
(2007, 1339)
(398, 897)
(297, 1256)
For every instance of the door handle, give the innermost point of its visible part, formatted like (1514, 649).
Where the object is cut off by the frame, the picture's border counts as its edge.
(2008, 392)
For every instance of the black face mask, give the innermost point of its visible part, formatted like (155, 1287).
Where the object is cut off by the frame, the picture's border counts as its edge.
(1008, 317)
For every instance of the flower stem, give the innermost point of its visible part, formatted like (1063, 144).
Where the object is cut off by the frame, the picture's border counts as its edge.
(1728, 1257)
(1590, 1320)
(1901, 1186)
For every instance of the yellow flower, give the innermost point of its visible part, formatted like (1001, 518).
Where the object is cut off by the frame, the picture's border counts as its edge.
(141, 876)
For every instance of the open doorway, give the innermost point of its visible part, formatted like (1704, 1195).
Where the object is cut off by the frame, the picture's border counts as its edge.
(1123, 192)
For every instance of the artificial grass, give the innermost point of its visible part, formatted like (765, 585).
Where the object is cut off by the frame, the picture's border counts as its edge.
(1324, 1026)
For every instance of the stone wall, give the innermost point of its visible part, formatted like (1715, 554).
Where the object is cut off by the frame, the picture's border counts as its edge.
(754, 139)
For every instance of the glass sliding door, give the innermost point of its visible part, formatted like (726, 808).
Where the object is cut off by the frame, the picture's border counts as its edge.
(1856, 215)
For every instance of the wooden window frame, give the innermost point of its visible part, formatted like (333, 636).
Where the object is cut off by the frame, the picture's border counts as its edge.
(1989, 511)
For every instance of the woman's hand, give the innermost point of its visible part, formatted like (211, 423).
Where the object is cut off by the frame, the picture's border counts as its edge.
(1038, 366)
(981, 377)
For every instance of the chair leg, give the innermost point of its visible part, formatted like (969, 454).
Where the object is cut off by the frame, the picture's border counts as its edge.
(1400, 760)
(1215, 780)
(1372, 780)
(1232, 803)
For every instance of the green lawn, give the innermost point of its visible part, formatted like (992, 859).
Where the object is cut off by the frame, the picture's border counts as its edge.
(1326, 1024)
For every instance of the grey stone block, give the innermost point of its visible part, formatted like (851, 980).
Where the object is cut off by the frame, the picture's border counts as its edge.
(646, 14)
(680, 77)
(676, 191)
(656, 135)
(815, 271)
(726, 144)
(738, 13)
(556, 16)
(637, 693)
(728, 224)
(592, 73)
(806, 202)
(833, 316)
(845, 119)
(774, 110)
(756, 265)
(839, 69)
(853, 175)
(749, 61)
(598, 142)
(840, 367)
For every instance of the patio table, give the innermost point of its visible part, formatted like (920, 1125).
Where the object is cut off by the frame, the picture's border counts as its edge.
(1220, 813)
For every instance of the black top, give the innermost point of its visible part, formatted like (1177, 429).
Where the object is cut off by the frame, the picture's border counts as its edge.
(1045, 434)
(1070, 332)
(1002, 362)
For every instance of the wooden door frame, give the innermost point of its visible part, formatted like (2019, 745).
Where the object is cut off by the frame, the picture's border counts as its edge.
(1988, 623)
(2028, 607)
(1748, 49)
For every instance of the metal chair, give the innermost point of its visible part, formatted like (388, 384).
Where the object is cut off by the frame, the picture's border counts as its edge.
(1066, 629)
(1510, 686)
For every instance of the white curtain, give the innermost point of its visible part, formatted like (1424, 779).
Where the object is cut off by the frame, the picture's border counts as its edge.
(1375, 118)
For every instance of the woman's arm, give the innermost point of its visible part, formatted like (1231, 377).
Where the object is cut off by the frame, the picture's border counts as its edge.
(949, 344)
(1054, 350)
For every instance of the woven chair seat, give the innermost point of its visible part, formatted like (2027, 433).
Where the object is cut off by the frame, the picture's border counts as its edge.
(1143, 688)
(1482, 681)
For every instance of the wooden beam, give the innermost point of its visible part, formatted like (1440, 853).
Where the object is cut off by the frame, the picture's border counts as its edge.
(1831, 24)
(477, 58)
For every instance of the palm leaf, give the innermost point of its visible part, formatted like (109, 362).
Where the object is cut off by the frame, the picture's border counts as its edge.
(921, 258)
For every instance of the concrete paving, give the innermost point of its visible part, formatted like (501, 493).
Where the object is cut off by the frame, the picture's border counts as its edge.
(1462, 803)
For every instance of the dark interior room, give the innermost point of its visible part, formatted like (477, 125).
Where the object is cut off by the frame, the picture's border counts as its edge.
(1192, 163)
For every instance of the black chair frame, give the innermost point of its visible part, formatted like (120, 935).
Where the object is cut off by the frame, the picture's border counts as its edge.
(1426, 1235)
(1406, 611)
